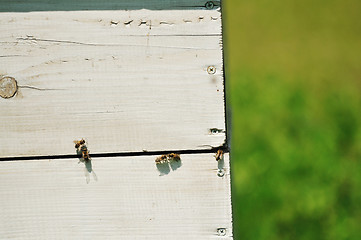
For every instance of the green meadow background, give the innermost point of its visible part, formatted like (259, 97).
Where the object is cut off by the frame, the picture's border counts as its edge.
(293, 72)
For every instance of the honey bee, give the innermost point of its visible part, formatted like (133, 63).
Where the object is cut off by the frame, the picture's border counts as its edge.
(79, 143)
(167, 158)
(161, 159)
(219, 155)
(82, 149)
(174, 156)
(85, 153)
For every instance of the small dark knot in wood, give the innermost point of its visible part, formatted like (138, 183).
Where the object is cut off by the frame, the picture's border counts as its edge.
(8, 87)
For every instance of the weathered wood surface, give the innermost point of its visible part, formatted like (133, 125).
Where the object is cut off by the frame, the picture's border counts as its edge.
(73, 5)
(126, 81)
(50, 199)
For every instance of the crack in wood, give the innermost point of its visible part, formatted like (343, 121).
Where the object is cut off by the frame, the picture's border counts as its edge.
(40, 89)
(59, 41)
(128, 45)
(4, 56)
(224, 148)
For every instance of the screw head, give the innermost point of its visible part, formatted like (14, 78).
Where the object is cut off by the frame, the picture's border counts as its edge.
(220, 172)
(209, 5)
(221, 231)
(211, 70)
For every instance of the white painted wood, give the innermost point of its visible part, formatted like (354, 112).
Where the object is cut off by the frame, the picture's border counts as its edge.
(126, 81)
(50, 199)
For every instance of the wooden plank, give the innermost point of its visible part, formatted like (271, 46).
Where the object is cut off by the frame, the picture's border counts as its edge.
(131, 199)
(126, 81)
(73, 5)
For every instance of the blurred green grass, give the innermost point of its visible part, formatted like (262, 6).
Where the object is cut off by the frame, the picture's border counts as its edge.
(293, 74)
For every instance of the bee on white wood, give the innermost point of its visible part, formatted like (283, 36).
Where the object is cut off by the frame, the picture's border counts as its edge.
(79, 143)
(85, 153)
(161, 159)
(82, 149)
(219, 155)
(174, 156)
(168, 162)
(166, 158)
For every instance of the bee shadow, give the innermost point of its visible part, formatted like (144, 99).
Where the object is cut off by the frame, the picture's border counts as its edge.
(221, 163)
(88, 167)
(164, 168)
(175, 164)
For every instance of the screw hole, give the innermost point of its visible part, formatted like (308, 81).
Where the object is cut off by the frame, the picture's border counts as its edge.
(215, 131)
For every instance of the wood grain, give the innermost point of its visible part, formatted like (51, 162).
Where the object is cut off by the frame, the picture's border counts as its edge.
(131, 199)
(126, 81)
